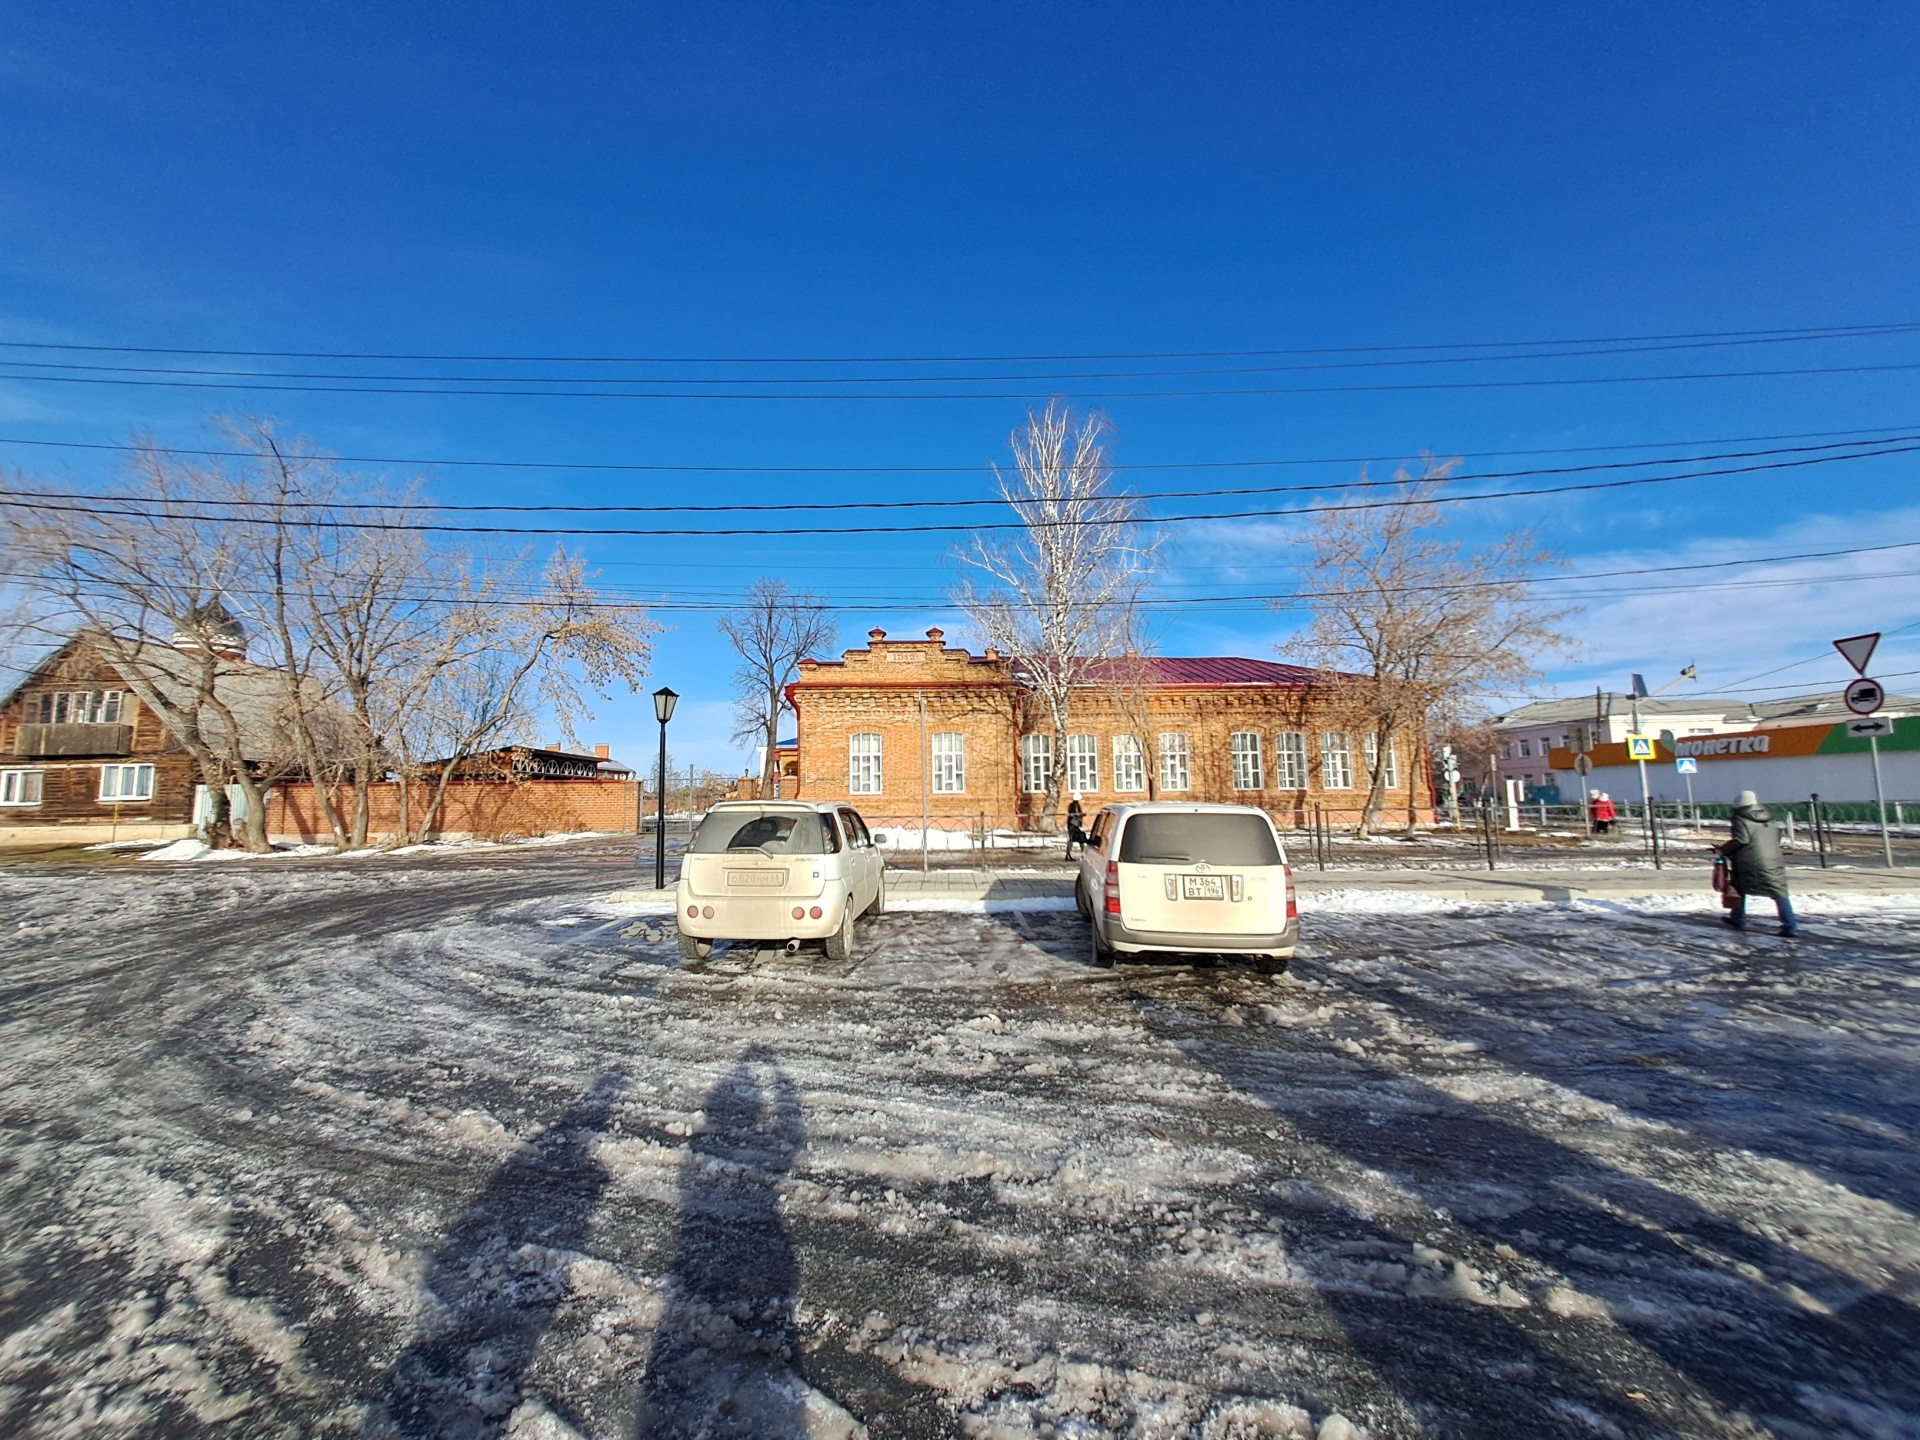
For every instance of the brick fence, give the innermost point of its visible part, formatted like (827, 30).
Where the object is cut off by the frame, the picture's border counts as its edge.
(474, 809)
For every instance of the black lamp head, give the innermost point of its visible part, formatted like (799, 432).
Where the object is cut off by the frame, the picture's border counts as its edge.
(663, 702)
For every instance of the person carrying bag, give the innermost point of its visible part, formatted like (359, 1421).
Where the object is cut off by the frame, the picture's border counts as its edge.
(1755, 865)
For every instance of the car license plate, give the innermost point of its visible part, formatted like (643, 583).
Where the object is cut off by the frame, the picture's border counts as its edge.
(757, 879)
(1203, 887)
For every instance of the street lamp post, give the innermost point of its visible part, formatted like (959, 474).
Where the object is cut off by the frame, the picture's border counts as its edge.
(663, 702)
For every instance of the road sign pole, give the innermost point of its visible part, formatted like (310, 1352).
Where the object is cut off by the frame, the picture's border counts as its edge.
(1692, 812)
(1646, 816)
(1880, 802)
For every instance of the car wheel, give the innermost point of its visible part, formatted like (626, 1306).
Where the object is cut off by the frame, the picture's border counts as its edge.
(840, 943)
(1080, 903)
(692, 949)
(879, 906)
(1272, 964)
(1101, 956)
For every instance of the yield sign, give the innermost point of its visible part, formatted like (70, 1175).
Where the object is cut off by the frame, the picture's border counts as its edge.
(1858, 649)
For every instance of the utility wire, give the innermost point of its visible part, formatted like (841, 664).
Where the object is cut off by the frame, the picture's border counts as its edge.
(430, 462)
(1395, 388)
(1074, 522)
(1742, 336)
(996, 500)
(1051, 376)
(1274, 599)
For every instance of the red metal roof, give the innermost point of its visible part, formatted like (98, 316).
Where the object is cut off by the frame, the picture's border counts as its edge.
(1207, 670)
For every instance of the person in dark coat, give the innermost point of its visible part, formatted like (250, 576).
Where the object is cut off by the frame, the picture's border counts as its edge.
(1075, 835)
(1754, 857)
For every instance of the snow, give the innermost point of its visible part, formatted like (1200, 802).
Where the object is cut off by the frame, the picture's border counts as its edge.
(199, 850)
(313, 1150)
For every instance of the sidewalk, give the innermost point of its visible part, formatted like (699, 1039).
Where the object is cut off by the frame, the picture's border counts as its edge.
(1515, 884)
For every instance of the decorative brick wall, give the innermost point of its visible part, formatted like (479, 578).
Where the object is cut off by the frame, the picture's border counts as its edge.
(482, 809)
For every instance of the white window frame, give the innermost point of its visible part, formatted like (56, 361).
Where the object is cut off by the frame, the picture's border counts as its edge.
(1290, 760)
(1036, 763)
(949, 763)
(126, 782)
(1372, 747)
(1176, 762)
(79, 707)
(1129, 765)
(866, 763)
(1083, 764)
(1249, 765)
(21, 789)
(1336, 760)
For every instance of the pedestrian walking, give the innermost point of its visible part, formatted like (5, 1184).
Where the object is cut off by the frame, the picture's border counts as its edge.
(1074, 833)
(1753, 854)
(1603, 813)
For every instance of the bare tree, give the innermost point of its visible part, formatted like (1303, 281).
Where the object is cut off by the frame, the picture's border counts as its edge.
(496, 666)
(1130, 682)
(382, 646)
(772, 632)
(147, 586)
(1420, 622)
(1058, 597)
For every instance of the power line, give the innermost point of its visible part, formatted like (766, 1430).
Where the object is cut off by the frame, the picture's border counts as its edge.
(1009, 524)
(630, 599)
(1051, 377)
(996, 500)
(1375, 389)
(621, 467)
(1751, 336)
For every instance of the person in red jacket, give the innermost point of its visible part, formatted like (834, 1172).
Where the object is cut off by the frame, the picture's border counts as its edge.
(1603, 813)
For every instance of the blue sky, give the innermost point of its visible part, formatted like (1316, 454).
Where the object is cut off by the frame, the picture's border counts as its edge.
(852, 180)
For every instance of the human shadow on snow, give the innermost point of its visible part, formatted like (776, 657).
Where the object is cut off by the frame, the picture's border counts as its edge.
(494, 1284)
(725, 1355)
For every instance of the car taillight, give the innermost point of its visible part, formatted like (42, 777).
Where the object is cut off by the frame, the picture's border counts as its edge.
(799, 912)
(693, 912)
(814, 912)
(1113, 887)
(1293, 902)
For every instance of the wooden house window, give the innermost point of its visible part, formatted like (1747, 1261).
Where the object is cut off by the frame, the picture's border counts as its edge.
(76, 707)
(126, 782)
(21, 787)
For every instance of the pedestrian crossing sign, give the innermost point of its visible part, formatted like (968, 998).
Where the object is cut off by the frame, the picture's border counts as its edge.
(1640, 747)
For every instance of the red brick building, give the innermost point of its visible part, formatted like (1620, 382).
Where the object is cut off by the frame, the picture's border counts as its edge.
(903, 728)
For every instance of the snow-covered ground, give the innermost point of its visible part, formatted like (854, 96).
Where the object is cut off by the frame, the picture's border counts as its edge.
(467, 1151)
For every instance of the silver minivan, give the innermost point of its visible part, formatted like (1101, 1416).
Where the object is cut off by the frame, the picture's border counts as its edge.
(783, 871)
(1192, 879)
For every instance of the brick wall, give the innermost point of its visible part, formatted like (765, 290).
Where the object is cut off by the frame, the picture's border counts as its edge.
(483, 809)
(886, 688)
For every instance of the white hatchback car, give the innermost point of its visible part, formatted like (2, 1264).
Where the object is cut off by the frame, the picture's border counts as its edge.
(1194, 879)
(778, 870)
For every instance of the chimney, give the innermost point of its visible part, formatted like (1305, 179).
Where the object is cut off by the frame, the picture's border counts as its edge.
(876, 635)
(604, 752)
(936, 634)
(992, 653)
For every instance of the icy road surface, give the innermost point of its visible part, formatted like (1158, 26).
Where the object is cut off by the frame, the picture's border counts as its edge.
(462, 1151)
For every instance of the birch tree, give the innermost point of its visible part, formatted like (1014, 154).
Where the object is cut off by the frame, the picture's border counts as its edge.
(1057, 597)
(772, 632)
(1407, 621)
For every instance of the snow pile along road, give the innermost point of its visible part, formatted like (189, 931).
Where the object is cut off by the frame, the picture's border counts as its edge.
(464, 1151)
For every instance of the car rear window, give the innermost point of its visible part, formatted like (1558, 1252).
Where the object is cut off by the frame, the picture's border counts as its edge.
(1189, 839)
(774, 832)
